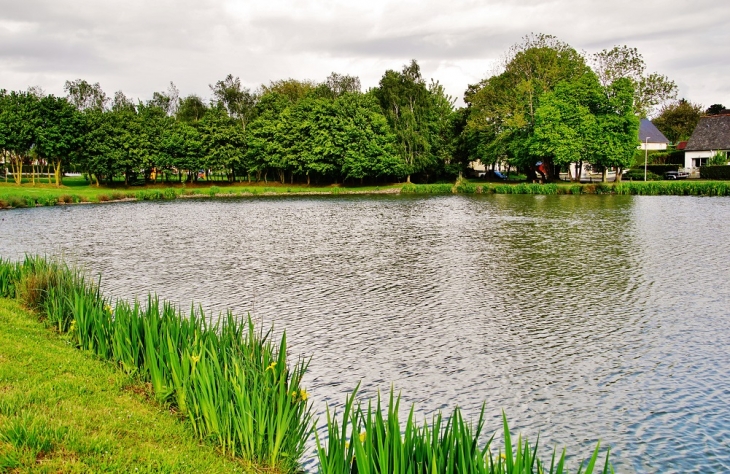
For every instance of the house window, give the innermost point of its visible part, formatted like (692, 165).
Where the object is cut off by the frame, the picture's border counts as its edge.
(697, 162)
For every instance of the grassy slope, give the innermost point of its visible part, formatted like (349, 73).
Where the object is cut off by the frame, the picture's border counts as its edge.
(79, 187)
(61, 410)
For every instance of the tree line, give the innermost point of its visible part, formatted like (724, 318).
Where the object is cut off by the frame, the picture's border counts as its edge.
(547, 104)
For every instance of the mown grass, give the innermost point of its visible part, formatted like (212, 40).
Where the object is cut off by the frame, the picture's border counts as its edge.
(63, 410)
(232, 383)
(76, 190)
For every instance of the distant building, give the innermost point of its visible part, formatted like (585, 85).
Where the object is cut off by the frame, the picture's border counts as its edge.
(650, 137)
(710, 136)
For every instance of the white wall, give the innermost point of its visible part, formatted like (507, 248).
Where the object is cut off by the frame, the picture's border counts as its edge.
(689, 156)
(652, 146)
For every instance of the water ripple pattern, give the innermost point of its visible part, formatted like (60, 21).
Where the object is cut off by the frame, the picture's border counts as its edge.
(583, 317)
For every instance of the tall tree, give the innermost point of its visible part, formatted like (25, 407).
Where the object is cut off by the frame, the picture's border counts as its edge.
(191, 109)
(405, 101)
(503, 107)
(715, 109)
(167, 101)
(58, 133)
(18, 129)
(239, 101)
(650, 90)
(84, 95)
(678, 120)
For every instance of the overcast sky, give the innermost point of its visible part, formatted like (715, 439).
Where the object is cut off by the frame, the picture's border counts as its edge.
(139, 46)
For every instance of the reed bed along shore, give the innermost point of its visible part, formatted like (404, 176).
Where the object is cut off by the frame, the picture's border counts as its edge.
(240, 391)
(24, 196)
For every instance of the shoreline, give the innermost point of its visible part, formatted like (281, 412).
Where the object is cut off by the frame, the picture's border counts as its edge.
(14, 197)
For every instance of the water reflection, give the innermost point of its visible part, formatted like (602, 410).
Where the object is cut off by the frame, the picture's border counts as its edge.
(584, 317)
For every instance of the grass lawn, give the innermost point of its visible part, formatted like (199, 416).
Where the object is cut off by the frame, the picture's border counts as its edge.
(62, 410)
(76, 189)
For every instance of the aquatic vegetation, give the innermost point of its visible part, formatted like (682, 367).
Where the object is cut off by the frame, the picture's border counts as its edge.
(373, 440)
(215, 375)
(238, 388)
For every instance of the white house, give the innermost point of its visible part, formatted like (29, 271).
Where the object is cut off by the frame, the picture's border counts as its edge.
(710, 136)
(650, 137)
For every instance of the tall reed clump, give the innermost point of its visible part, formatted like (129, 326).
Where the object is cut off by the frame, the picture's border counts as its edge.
(234, 383)
(373, 440)
(441, 188)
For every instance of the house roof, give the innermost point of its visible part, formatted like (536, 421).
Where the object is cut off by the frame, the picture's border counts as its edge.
(681, 145)
(711, 133)
(648, 130)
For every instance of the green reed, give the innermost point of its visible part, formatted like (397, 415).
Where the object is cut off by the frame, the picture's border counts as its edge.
(372, 439)
(234, 383)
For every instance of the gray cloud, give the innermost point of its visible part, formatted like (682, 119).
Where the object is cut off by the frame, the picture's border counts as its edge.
(139, 46)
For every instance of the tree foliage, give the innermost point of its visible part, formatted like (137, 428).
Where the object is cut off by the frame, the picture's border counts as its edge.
(678, 120)
(650, 90)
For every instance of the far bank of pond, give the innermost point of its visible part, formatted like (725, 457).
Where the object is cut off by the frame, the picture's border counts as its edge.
(12, 196)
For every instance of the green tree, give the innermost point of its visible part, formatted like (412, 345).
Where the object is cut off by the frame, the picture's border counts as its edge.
(566, 128)
(223, 142)
(715, 109)
(405, 101)
(191, 109)
(19, 121)
(583, 122)
(58, 134)
(678, 120)
(86, 96)
(650, 90)
(503, 107)
(238, 101)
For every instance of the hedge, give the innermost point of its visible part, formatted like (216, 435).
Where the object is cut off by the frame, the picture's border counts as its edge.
(715, 172)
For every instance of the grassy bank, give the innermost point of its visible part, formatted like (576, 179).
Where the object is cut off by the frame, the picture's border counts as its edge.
(77, 191)
(63, 410)
(228, 384)
(231, 383)
(650, 188)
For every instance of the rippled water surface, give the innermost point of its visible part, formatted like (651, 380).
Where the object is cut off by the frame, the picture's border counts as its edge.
(583, 317)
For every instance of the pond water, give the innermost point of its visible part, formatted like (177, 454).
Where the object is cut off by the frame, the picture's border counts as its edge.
(583, 317)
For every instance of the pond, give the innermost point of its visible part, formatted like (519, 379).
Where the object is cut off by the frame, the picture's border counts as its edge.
(582, 317)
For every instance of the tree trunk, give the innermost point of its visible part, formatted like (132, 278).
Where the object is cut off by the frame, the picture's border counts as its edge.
(408, 179)
(16, 163)
(619, 172)
(57, 173)
(308, 179)
(604, 175)
(291, 181)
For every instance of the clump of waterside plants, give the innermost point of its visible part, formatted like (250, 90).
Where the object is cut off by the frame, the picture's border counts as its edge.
(231, 381)
(239, 390)
(373, 440)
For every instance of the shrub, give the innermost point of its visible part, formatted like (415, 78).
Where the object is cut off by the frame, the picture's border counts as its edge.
(715, 172)
(214, 190)
(118, 196)
(635, 174)
(102, 197)
(718, 159)
(65, 198)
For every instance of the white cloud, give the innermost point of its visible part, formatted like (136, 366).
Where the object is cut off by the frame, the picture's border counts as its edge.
(139, 46)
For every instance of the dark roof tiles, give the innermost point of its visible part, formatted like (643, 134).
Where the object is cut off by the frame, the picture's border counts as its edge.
(711, 133)
(647, 129)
